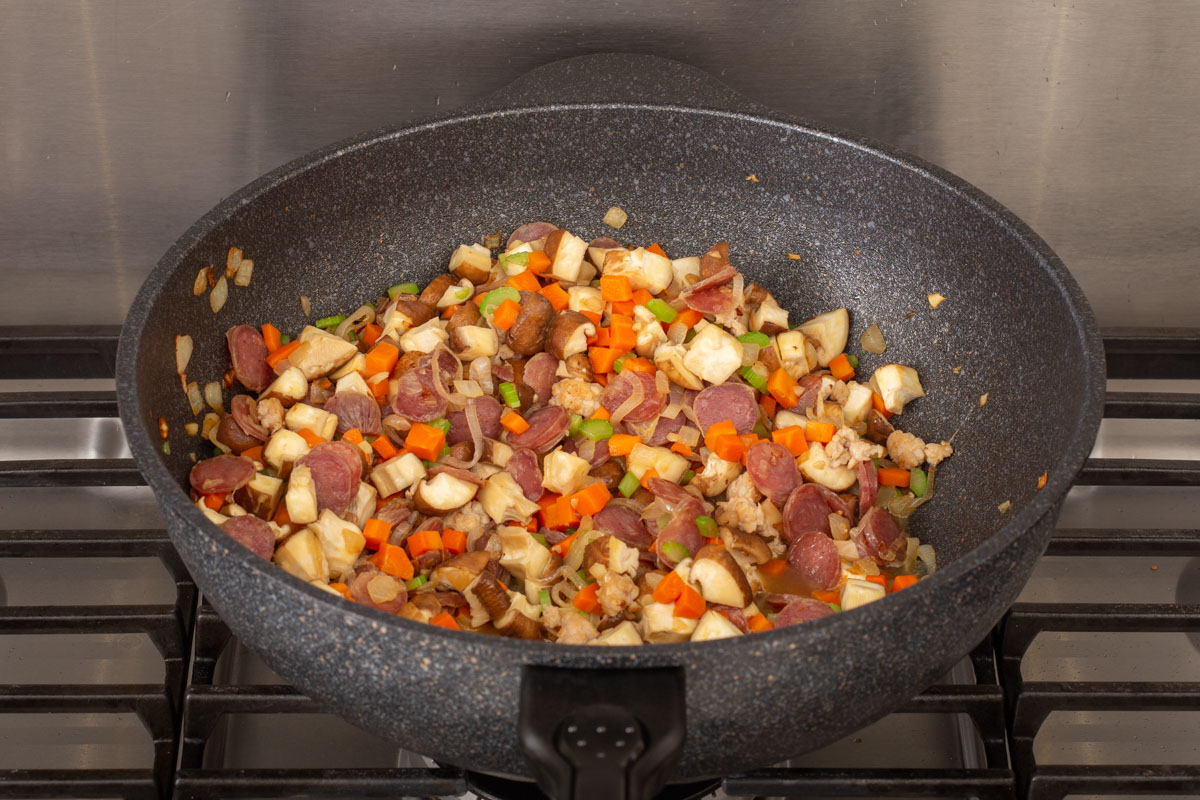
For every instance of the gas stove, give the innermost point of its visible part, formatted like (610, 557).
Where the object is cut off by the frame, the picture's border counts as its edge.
(117, 679)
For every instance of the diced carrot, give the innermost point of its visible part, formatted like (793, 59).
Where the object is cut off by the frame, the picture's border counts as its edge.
(591, 499)
(379, 388)
(425, 441)
(394, 561)
(615, 288)
(879, 579)
(444, 620)
(324, 383)
(448, 312)
(423, 541)
(601, 413)
(601, 338)
(689, 317)
(827, 595)
(478, 299)
(454, 541)
(254, 453)
(524, 281)
(376, 532)
(783, 388)
(641, 297)
(272, 337)
(729, 447)
(668, 588)
(565, 545)
(877, 402)
(506, 314)
(791, 437)
(638, 365)
(903, 582)
(603, 358)
(214, 501)
(539, 262)
(601, 378)
(749, 440)
(381, 358)
(774, 567)
(556, 295)
(623, 307)
(768, 404)
(281, 515)
(593, 316)
(718, 429)
(310, 436)
(678, 447)
(759, 623)
(514, 422)
(558, 515)
(353, 436)
(279, 355)
(622, 444)
(384, 447)
(585, 599)
(646, 477)
(370, 334)
(840, 367)
(342, 589)
(817, 431)
(654, 248)
(714, 541)
(690, 604)
(893, 476)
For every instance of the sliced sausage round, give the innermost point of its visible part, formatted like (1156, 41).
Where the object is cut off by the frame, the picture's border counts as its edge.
(355, 410)
(816, 558)
(376, 589)
(523, 466)
(221, 474)
(773, 470)
(416, 399)
(713, 300)
(547, 426)
(879, 535)
(806, 398)
(540, 375)
(607, 242)
(663, 427)
(624, 523)
(621, 387)
(244, 411)
(253, 533)
(335, 475)
(802, 609)
(681, 529)
(728, 401)
(531, 232)
(868, 485)
(487, 410)
(248, 352)
(808, 509)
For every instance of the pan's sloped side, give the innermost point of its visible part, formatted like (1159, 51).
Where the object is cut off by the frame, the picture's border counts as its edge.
(874, 233)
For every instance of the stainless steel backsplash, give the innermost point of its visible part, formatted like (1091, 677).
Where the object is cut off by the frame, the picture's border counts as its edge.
(122, 122)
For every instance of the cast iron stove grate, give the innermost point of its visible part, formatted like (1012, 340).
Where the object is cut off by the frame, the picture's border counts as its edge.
(182, 712)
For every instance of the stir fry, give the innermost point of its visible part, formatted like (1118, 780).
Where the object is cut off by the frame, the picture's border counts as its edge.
(580, 442)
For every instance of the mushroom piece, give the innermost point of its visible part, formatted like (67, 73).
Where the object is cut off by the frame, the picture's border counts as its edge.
(648, 329)
(425, 338)
(320, 352)
(403, 314)
(749, 544)
(828, 333)
(283, 449)
(858, 592)
(566, 252)
(669, 358)
(713, 355)
(437, 287)
(260, 496)
(405, 363)
(858, 403)
(505, 610)
(608, 553)
(362, 507)
(422, 608)
(659, 624)
(301, 497)
(669, 465)
(443, 493)
(568, 336)
(622, 635)
(459, 572)
(683, 268)
(609, 473)
(644, 269)
(898, 385)
(562, 472)
(474, 341)
(302, 556)
(473, 262)
(578, 366)
(585, 298)
(720, 578)
(791, 347)
(818, 468)
(397, 474)
(317, 420)
(714, 626)
(289, 388)
(716, 475)
(467, 314)
(521, 554)
(527, 333)
(341, 542)
(878, 428)
(504, 500)
(768, 317)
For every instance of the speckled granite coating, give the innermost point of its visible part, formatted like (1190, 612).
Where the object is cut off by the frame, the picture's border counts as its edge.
(876, 231)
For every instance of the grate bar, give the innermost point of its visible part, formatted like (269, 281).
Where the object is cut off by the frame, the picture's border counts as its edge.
(1107, 617)
(1055, 782)
(69, 472)
(987, 783)
(1124, 542)
(79, 699)
(273, 699)
(48, 351)
(134, 784)
(198, 784)
(1139, 472)
(57, 405)
(1151, 405)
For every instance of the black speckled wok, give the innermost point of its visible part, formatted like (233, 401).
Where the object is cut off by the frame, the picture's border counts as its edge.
(877, 231)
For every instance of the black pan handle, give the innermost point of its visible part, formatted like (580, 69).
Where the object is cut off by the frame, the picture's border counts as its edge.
(620, 78)
(602, 734)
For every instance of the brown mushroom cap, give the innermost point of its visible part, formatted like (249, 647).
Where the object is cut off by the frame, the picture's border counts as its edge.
(878, 428)
(578, 365)
(490, 594)
(459, 571)
(562, 338)
(415, 310)
(436, 288)
(609, 473)
(529, 330)
(716, 259)
(406, 362)
(750, 544)
(467, 314)
(720, 578)
(769, 356)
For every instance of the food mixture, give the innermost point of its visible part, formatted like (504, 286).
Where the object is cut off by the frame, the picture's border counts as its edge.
(581, 442)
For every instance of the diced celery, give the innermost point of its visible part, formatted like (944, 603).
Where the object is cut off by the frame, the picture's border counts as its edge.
(663, 311)
(495, 297)
(755, 337)
(707, 526)
(508, 393)
(596, 429)
(402, 288)
(628, 485)
(918, 481)
(674, 551)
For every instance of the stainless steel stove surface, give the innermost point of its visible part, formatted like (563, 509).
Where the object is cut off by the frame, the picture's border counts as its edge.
(116, 681)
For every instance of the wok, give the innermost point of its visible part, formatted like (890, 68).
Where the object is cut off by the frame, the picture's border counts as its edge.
(876, 231)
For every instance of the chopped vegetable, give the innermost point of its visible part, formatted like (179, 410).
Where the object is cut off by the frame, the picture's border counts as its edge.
(669, 588)
(853, 360)
(381, 358)
(544, 597)
(782, 387)
(402, 288)
(525, 281)
(591, 499)
(454, 541)
(444, 620)
(817, 431)
(840, 367)
(707, 526)
(492, 300)
(539, 262)
(674, 551)
(622, 444)
(755, 337)
(601, 413)
(272, 337)
(891, 476)
(663, 311)
(596, 429)
(416, 583)
(791, 437)
(376, 532)
(331, 321)
(688, 318)
(555, 294)
(384, 447)
(585, 599)
(918, 481)
(425, 441)
(615, 288)
(573, 425)
(690, 604)
(603, 358)
(903, 582)
(506, 314)
(629, 482)
(276, 356)
(654, 248)
(752, 377)
(423, 541)
(394, 561)
(514, 422)
(759, 623)
(508, 395)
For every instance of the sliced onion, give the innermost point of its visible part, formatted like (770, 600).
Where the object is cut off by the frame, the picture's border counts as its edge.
(688, 435)
(395, 427)
(183, 353)
(633, 401)
(885, 496)
(435, 365)
(563, 592)
(480, 371)
(749, 353)
(839, 527)
(574, 559)
(218, 295)
(468, 388)
(662, 383)
(676, 333)
(902, 505)
(363, 316)
(672, 410)
(213, 396)
(866, 566)
(927, 557)
(739, 290)
(476, 434)
(910, 554)
(195, 398)
(585, 449)
(872, 340)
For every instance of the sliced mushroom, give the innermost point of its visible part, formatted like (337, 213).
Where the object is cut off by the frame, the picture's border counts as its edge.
(659, 624)
(878, 428)
(713, 355)
(756, 294)
(504, 500)
(301, 496)
(898, 385)
(748, 544)
(624, 634)
(397, 474)
(435, 289)
(405, 363)
(301, 555)
(609, 473)
(715, 260)
(720, 578)
(669, 359)
(562, 472)
(341, 542)
(522, 555)
(608, 553)
(577, 365)
(260, 496)
(289, 388)
(460, 571)
(568, 336)
(528, 332)
(318, 420)
(403, 314)
(443, 493)
(474, 341)
(566, 252)
(473, 262)
(767, 316)
(714, 626)
(828, 333)
(422, 608)
(585, 298)
(791, 347)
(320, 352)
(467, 314)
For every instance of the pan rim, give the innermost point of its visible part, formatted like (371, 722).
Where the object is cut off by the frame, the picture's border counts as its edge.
(1062, 473)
